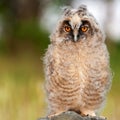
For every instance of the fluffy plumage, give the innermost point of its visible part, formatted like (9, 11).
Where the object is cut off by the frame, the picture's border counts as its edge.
(77, 68)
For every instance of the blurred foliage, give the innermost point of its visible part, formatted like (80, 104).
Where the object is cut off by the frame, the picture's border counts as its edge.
(21, 88)
(21, 28)
(62, 2)
(31, 32)
(27, 33)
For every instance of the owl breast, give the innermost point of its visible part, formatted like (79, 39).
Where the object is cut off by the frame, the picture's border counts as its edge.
(77, 78)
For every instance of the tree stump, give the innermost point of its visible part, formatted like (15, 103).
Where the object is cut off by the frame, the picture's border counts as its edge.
(70, 115)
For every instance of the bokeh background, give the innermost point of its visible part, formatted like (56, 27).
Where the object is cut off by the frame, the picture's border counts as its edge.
(25, 26)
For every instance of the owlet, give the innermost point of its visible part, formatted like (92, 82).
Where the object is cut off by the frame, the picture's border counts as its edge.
(77, 69)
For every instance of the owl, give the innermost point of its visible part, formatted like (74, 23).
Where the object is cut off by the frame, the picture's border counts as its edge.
(77, 68)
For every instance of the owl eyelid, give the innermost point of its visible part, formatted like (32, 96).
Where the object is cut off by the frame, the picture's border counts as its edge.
(67, 24)
(86, 25)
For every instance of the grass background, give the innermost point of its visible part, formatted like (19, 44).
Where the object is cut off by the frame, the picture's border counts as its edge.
(21, 88)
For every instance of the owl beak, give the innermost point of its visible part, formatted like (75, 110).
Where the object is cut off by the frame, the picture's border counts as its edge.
(76, 36)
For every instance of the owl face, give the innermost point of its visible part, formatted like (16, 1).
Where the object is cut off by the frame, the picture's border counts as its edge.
(75, 29)
(77, 25)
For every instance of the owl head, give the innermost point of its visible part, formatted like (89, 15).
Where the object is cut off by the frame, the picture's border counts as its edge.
(77, 25)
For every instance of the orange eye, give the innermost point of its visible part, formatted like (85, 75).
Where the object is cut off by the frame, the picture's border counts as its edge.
(67, 29)
(84, 28)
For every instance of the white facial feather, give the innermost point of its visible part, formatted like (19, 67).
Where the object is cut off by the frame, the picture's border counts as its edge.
(75, 21)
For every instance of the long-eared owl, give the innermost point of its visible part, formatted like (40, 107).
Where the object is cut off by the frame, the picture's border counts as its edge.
(77, 69)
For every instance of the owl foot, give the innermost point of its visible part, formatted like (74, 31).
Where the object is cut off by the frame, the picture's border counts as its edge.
(88, 113)
(52, 115)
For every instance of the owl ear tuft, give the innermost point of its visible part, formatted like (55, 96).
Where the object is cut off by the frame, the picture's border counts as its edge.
(82, 7)
(66, 10)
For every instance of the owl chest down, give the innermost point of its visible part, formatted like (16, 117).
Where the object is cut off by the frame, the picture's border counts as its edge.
(76, 64)
(78, 78)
